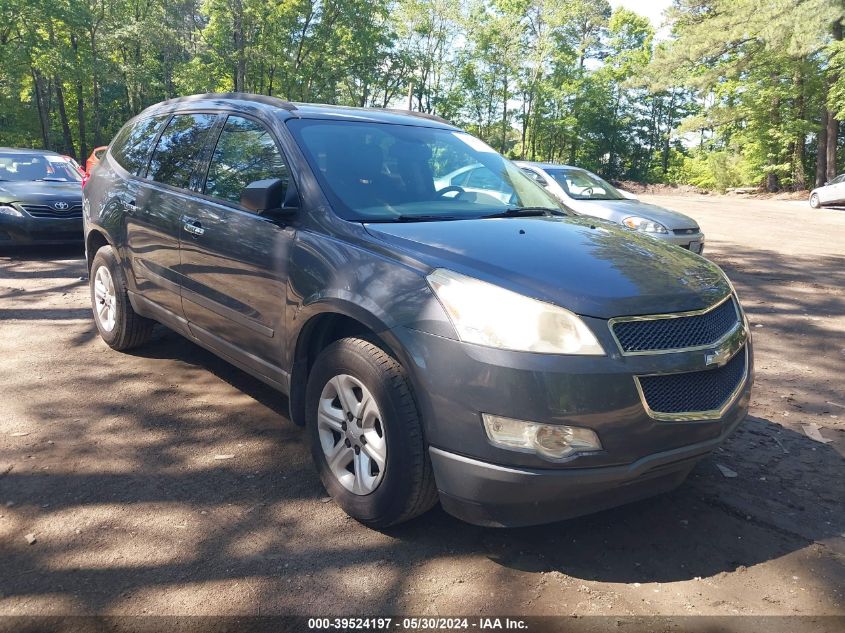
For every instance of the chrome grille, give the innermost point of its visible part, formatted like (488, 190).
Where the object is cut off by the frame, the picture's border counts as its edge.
(671, 332)
(46, 211)
(695, 391)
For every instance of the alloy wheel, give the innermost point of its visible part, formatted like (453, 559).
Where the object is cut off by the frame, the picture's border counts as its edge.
(105, 299)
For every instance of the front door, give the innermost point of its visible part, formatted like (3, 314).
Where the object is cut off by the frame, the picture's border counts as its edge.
(235, 263)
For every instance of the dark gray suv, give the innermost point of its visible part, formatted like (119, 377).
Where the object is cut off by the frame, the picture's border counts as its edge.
(485, 348)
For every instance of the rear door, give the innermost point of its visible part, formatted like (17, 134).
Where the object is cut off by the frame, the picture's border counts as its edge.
(154, 222)
(234, 262)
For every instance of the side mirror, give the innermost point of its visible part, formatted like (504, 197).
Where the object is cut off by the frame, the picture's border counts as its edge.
(271, 198)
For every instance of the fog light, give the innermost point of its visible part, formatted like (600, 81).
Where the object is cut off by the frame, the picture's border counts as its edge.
(551, 441)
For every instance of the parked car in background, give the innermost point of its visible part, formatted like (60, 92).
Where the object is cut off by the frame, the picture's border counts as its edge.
(95, 157)
(832, 192)
(487, 348)
(40, 197)
(587, 194)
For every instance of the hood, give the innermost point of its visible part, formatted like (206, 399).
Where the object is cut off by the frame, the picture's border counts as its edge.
(618, 210)
(592, 268)
(33, 192)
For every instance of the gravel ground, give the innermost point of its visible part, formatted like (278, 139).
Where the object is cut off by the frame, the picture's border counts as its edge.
(114, 498)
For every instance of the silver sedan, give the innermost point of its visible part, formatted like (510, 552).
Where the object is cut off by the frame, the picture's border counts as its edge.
(587, 194)
(832, 192)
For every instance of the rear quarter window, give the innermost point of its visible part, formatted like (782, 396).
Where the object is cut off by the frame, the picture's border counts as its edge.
(131, 147)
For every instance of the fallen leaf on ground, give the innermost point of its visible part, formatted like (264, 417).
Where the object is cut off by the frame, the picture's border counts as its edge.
(812, 431)
(727, 472)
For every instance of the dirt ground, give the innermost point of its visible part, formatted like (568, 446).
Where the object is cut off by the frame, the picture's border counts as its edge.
(110, 462)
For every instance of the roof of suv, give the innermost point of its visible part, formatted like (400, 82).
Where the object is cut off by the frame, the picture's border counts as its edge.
(289, 109)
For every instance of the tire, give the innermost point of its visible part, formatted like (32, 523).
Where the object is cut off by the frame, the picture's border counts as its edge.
(814, 201)
(404, 488)
(119, 325)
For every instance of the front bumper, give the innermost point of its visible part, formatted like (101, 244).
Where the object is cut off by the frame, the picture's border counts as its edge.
(29, 230)
(455, 382)
(691, 241)
(500, 496)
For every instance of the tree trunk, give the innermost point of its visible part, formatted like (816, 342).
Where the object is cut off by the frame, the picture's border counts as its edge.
(239, 42)
(821, 151)
(43, 110)
(832, 122)
(80, 100)
(772, 183)
(799, 182)
(67, 137)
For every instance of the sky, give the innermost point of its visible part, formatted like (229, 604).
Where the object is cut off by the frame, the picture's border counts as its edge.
(653, 9)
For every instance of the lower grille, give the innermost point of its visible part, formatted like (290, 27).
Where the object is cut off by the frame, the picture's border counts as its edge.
(45, 211)
(695, 391)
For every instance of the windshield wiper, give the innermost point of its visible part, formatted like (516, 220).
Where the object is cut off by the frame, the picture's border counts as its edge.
(51, 180)
(516, 212)
(425, 218)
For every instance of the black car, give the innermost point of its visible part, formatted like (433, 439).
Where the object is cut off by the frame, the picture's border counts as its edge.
(40, 198)
(482, 347)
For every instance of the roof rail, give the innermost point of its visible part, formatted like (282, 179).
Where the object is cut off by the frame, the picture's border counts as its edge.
(421, 115)
(243, 96)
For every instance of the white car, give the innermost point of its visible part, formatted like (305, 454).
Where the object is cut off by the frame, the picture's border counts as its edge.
(832, 192)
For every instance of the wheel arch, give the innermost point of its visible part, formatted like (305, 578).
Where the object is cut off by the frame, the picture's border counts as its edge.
(94, 241)
(330, 324)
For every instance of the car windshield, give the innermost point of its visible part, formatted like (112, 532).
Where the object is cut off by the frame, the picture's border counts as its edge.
(582, 185)
(32, 167)
(382, 172)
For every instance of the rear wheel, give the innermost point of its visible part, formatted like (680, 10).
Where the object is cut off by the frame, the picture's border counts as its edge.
(814, 201)
(118, 323)
(365, 433)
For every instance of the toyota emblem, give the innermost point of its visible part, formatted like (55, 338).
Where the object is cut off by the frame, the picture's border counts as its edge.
(60, 206)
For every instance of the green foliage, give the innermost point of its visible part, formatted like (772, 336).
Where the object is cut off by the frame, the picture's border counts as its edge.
(734, 97)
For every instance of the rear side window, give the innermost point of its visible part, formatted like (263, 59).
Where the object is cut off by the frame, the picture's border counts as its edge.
(178, 147)
(131, 148)
(245, 153)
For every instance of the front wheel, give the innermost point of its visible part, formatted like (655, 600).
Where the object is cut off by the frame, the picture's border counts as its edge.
(814, 201)
(365, 434)
(118, 323)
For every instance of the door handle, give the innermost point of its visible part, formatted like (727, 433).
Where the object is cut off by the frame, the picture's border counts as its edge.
(193, 226)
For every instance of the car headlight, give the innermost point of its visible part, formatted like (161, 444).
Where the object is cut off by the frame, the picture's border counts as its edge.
(486, 314)
(644, 225)
(7, 210)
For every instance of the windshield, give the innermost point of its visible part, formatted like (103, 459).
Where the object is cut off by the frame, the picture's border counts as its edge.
(31, 167)
(582, 185)
(380, 172)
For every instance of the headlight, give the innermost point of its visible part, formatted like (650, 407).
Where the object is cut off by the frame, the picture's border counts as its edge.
(644, 225)
(486, 314)
(7, 210)
(551, 441)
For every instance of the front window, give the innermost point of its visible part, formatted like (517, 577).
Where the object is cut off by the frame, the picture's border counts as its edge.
(35, 167)
(582, 185)
(379, 172)
(245, 153)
